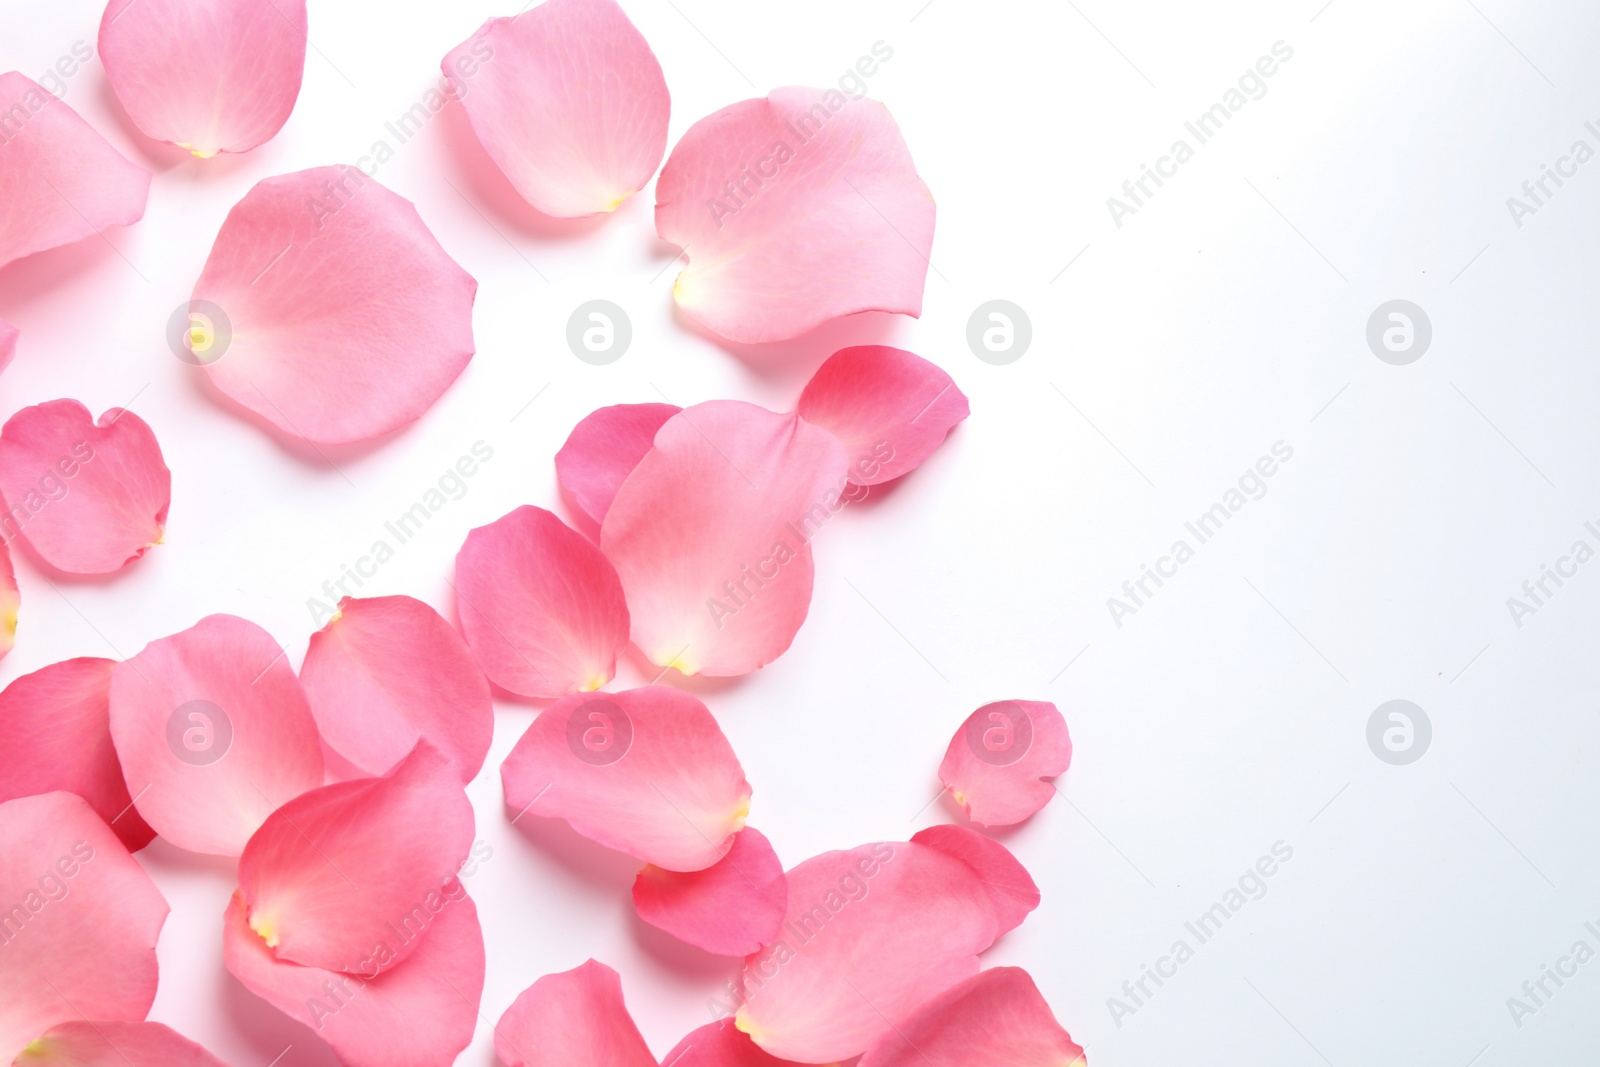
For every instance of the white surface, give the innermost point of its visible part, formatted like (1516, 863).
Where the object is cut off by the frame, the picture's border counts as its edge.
(1205, 329)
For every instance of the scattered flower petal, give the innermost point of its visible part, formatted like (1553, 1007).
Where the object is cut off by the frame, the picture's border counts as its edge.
(1011, 889)
(574, 1017)
(603, 449)
(114, 1044)
(731, 908)
(722, 1044)
(1000, 763)
(997, 1017)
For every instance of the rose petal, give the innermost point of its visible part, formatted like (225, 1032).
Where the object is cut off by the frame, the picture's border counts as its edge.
(347, 318)
(114, 1044)
(722, 1044)
(997, 1017)
(207, 75)
(90, 497)
(603, 449)
(1001, 761)
(213, 732)
(574, 1017)
(1011, 889)
(711, 535)
(8, 343)
(10, 600)
(646, 772)
(731, 908)
(541, 607)
(568, 101)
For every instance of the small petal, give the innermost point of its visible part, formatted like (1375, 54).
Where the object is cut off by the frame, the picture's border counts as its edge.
(1011, 889)
(731, 908)
(997, 1017)
(603, 449)
(114, 1044)
(574, 1017)
(722, 1044)
(1001, 762)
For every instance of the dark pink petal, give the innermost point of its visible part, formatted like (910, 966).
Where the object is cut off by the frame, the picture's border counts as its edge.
(793, 210)
(646, 772)
(60, 181)
(1011, 889)
(114, 1044)
(78, 938)
(731, 908)
(603, 449)
(207, 75)
(711, 534)
(890, 408)
(997, 1017)
(89, 496)
(1000, 764)
(213, 732)
(568, 101)
(574, 1017)
(8, 343)
(56, 722)
(540, 606)
(721, 1044)
(10, 600)
(348, 319)
(388, 671)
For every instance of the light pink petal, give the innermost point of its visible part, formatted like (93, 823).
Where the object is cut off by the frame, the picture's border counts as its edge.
(207, 75)
(10, 600)
(57, 729)
(646, 772)
(115, 1044)
(213, 732)
(603, 449)
(568, 101)
(793, 210)
(347, 318)
(997, 1017)
(357, 871)
(711, 534)
(60, 181)
(571, 1018)
(890, 408)
(78, 937)
(8, 343)
(870, 934)
(731, 908)
(90, 497)
(419, 1014)
(387, 671)
(1011, 889)
(540, 606)
(1000, 764)
(721, 1044)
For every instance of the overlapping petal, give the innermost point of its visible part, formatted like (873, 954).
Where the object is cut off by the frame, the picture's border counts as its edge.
(997, 1017)
(1001, 762)
(731, 908)
(722, 1044)
(603, 449)
(1011, 889)
(115, 1044)
(573, 1017)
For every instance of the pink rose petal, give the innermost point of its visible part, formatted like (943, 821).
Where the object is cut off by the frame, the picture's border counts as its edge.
(114, 1044)
(10, 600)
(603, 449)
(997, 1017)
(571, 1018)
(1011, 889)
(8, 343)
(1000, 763)
(731, 908)
(722, 1044)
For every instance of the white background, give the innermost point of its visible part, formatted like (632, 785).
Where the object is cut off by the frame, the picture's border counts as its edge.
(1227, 314)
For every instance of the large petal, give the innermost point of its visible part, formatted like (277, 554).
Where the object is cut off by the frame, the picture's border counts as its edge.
(540, 606)
(646, 772)
(213, 732)
(207, 75)
(115, 1044)
(1001, 762)
(1011, 889)
(731, 908)
(711, 534)
(568, 101)
(347, 318)
(574, 1017)
(8, 343)
(996, 1018)
(60, 181)
(721, 1044)
(793, 210)
(603, 449)
(78, 936)
(90, 497)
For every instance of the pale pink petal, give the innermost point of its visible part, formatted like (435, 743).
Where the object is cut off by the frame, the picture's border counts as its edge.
(574, 1017)
(419, 1014)
(10, 600)
(540, 606)
(57, 729)
(1011, 889)
(213, 732)
(603, 449)
(647, 772)
(207, 75)
(60, 181)
(115, 1044)
(568, 101)
(721, 1044)
(890, 408)
(1001, 763)
(997, 1017)
(78, 936)
(347, 318)
(711, 534)
(731, 908)
(388, 671)
(793, 210)
(90, 497)
(8, 343)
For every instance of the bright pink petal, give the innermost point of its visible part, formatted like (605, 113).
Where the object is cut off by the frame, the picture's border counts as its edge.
(115, 1044)
(78, 936)
(603, 449)
(10, 600)
(60, 181)
(793, 210)
(568, 101)
(56, 722)
(8, 343)
(387, 671)
(347, 318)
(207, 75)
(646, 772)
(1000, 764)
(574, 1017)
(1011, 889)
(419, 1014)
(213, 732)
(731, 908)
(722, 1044)
(711, 534)
(997, 1017)
(540, 606)
(90, 497)
(890, 408)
